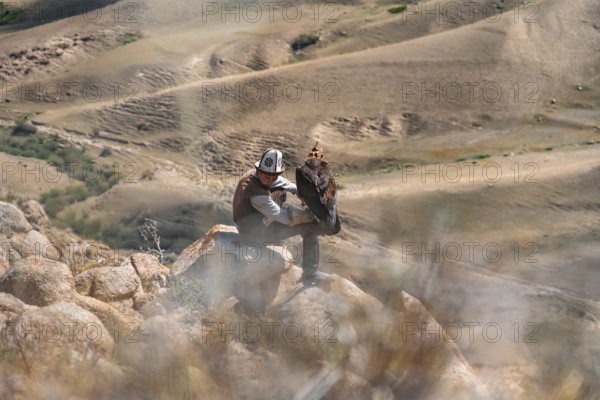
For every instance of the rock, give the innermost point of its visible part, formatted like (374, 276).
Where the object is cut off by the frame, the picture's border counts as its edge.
(249, 371)
(4, 265)
(431, 366)
(9, 303)
(35, 215)
(148, 305)
(338, 324)
(196, 254)
(258, 283)
(38, 281)
(8, 255)
(59, 337)
(35, 244)
(152, 273)
(227, 268)
(12, 220)
(331, 321)
(157, 350)
(553, 101)
(109, 372)
(108, 283)
(110, 316)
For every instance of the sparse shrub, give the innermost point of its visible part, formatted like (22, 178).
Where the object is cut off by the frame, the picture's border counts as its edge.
(65, 157)
(188, 293)
(481, 156)
(142, 127)
(24, 129)
(303, 41)
(105, 152)
(149, 232)
(130, 38)
(9, 14)
(397, 9)
(147, 175)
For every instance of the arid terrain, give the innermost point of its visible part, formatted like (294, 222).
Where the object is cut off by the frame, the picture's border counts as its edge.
(465, 139)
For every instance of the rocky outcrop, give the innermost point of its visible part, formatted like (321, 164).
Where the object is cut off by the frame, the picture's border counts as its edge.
(227, 267)
(430, 364)
(328, 339)
(19, 240)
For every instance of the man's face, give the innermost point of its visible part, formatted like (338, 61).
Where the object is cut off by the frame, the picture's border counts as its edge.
(266, 179)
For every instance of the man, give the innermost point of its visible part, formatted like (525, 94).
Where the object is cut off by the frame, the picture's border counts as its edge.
(260, 216)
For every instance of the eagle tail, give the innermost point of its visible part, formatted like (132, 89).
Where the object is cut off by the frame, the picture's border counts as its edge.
(332, 219)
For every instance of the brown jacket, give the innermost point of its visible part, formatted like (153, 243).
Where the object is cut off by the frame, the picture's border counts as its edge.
(247, 187)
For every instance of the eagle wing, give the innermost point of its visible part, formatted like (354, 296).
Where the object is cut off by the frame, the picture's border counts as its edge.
(316, 187)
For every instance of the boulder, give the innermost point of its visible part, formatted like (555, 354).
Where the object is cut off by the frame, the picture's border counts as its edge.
(333, 321)
(59, 337)
(35, 244)
(227, 267)
(152, 273)
(3, 265)
(36, 215)
(248, 371)
(430, 364)
(12, 220)
(110, 316)
(148, 305)
(164, 363)
(38, 281)
(108, 283)
(8, 255)
(9, 303)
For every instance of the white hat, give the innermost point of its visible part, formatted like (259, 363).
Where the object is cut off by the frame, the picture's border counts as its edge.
(271, 162)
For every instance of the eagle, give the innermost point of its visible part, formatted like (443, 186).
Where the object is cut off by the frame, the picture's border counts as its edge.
(316, 188)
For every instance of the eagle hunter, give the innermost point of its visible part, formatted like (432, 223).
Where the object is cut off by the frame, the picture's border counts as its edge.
(316, 187)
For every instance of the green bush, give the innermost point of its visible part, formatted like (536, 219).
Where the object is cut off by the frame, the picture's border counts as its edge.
(130, 38)
(303, 41)
(397, 9)
(9, 14)
(96, 179)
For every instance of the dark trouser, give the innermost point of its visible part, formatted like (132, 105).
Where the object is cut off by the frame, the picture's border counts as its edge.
(253, 230)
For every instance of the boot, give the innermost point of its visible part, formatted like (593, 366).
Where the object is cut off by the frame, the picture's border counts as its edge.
(310, 257)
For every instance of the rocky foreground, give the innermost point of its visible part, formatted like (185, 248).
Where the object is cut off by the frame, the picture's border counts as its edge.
(223, 322)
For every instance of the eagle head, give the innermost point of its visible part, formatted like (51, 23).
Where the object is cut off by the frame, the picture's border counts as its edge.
(316, 152)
